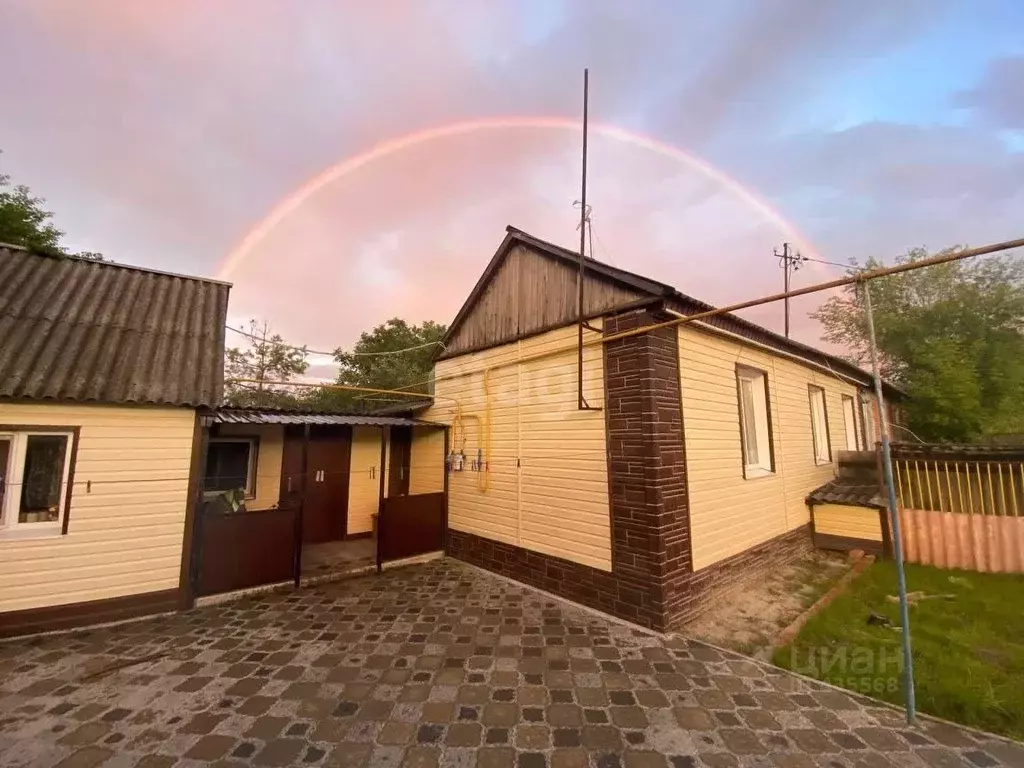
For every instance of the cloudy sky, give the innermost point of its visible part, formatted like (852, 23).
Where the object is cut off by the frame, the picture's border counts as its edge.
(345, 162)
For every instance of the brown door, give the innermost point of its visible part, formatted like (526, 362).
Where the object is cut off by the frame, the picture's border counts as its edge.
(325, 511)
(291, 468)
(398, 464)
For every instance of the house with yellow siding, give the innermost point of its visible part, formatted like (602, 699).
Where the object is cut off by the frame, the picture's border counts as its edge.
(127, 488)
(103, 368)
(648, 469)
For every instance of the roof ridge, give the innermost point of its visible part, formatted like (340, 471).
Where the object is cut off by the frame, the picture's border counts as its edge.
(105, 263)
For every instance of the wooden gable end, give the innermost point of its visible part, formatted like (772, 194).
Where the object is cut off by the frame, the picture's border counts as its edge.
(530, 292)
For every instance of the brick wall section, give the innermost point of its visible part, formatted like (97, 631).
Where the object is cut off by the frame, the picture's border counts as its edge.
(647, 463)
(708, 586)
(588, 586)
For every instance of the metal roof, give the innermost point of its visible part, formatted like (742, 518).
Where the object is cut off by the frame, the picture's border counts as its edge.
(256, 416)
(75, 329)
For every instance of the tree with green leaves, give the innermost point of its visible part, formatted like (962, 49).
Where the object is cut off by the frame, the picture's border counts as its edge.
(25, 221)
(250, 371)
(951, 335)
(408, 354)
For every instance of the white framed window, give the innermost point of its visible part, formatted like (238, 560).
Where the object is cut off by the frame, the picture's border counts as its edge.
(868, 416)
(850, 423)
(35, 471)
(230, 464)
(755, 422)
(819, 425)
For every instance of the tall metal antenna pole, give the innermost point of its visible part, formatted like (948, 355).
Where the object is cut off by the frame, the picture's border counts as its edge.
(894, 516)
(582, 403)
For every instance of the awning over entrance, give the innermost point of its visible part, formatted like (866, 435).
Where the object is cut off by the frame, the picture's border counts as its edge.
(261, 416)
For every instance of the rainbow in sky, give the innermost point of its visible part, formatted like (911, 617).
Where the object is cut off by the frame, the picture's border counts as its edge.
(297, 198)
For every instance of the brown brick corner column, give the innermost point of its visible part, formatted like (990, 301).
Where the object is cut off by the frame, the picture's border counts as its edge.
(650, 521)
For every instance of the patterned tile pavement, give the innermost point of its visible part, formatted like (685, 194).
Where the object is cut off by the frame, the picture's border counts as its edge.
(434, 665)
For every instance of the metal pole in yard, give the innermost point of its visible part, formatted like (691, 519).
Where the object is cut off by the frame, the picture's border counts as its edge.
(581, 403)
(894, 517)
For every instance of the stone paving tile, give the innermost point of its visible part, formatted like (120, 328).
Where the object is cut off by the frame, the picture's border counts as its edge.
(434, 665)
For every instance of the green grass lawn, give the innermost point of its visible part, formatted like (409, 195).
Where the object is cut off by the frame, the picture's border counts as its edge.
(968, 650)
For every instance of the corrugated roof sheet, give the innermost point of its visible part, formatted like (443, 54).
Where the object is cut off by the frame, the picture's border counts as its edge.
(73, 329)
(255, 416)
(846, 490)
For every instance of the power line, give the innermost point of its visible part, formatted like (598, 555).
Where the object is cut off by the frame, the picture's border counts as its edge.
(309, 351)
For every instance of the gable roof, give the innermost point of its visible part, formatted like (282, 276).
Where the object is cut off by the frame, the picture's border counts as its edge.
(655, 290)
(74, 329)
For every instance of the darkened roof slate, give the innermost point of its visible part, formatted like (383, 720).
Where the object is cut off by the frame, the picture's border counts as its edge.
(847, 490)
(74, 329)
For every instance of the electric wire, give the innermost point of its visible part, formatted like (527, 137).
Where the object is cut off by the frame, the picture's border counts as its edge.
(309, 351)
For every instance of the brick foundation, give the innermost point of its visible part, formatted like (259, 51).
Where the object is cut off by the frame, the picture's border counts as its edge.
(709, 585)
(582, 584)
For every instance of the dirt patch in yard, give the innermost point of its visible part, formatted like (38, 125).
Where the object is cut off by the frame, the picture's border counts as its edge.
(748, 618)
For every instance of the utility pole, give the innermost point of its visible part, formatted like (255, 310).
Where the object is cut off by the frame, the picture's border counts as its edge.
(790, 263)
(910, 698)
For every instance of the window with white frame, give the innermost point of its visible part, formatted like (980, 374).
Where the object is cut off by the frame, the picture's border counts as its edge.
(755, 424)
(34, 469)
(819, 425)
(230, 464)
(850, 422)
(868, 415)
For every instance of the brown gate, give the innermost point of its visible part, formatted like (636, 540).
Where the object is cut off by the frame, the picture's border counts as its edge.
(410, 525)
(244, 549)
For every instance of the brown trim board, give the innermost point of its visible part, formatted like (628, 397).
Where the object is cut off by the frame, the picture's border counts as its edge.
(74, 615)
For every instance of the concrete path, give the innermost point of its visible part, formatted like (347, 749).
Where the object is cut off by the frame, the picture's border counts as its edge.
(430, 665)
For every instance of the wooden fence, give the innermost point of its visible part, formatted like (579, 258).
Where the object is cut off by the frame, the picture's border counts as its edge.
(961, 507)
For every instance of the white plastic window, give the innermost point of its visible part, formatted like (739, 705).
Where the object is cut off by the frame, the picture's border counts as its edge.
(850, 423)
(34, 471)
(757, 453)
(819, 426)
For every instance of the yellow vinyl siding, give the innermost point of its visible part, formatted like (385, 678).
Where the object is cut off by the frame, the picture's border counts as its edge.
(547, 484)
(847, 521)
(125, 531)
(729, 514)
(364, 480)
(426, 462)
(268, 461)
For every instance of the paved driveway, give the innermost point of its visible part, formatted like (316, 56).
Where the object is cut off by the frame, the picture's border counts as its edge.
(427, 665)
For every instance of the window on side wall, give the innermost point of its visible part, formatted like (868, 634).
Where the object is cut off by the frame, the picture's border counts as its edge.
(868, 416)
(35, 467)
(230, 464)
(850, 422)
(819, 425)
(755, 422)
